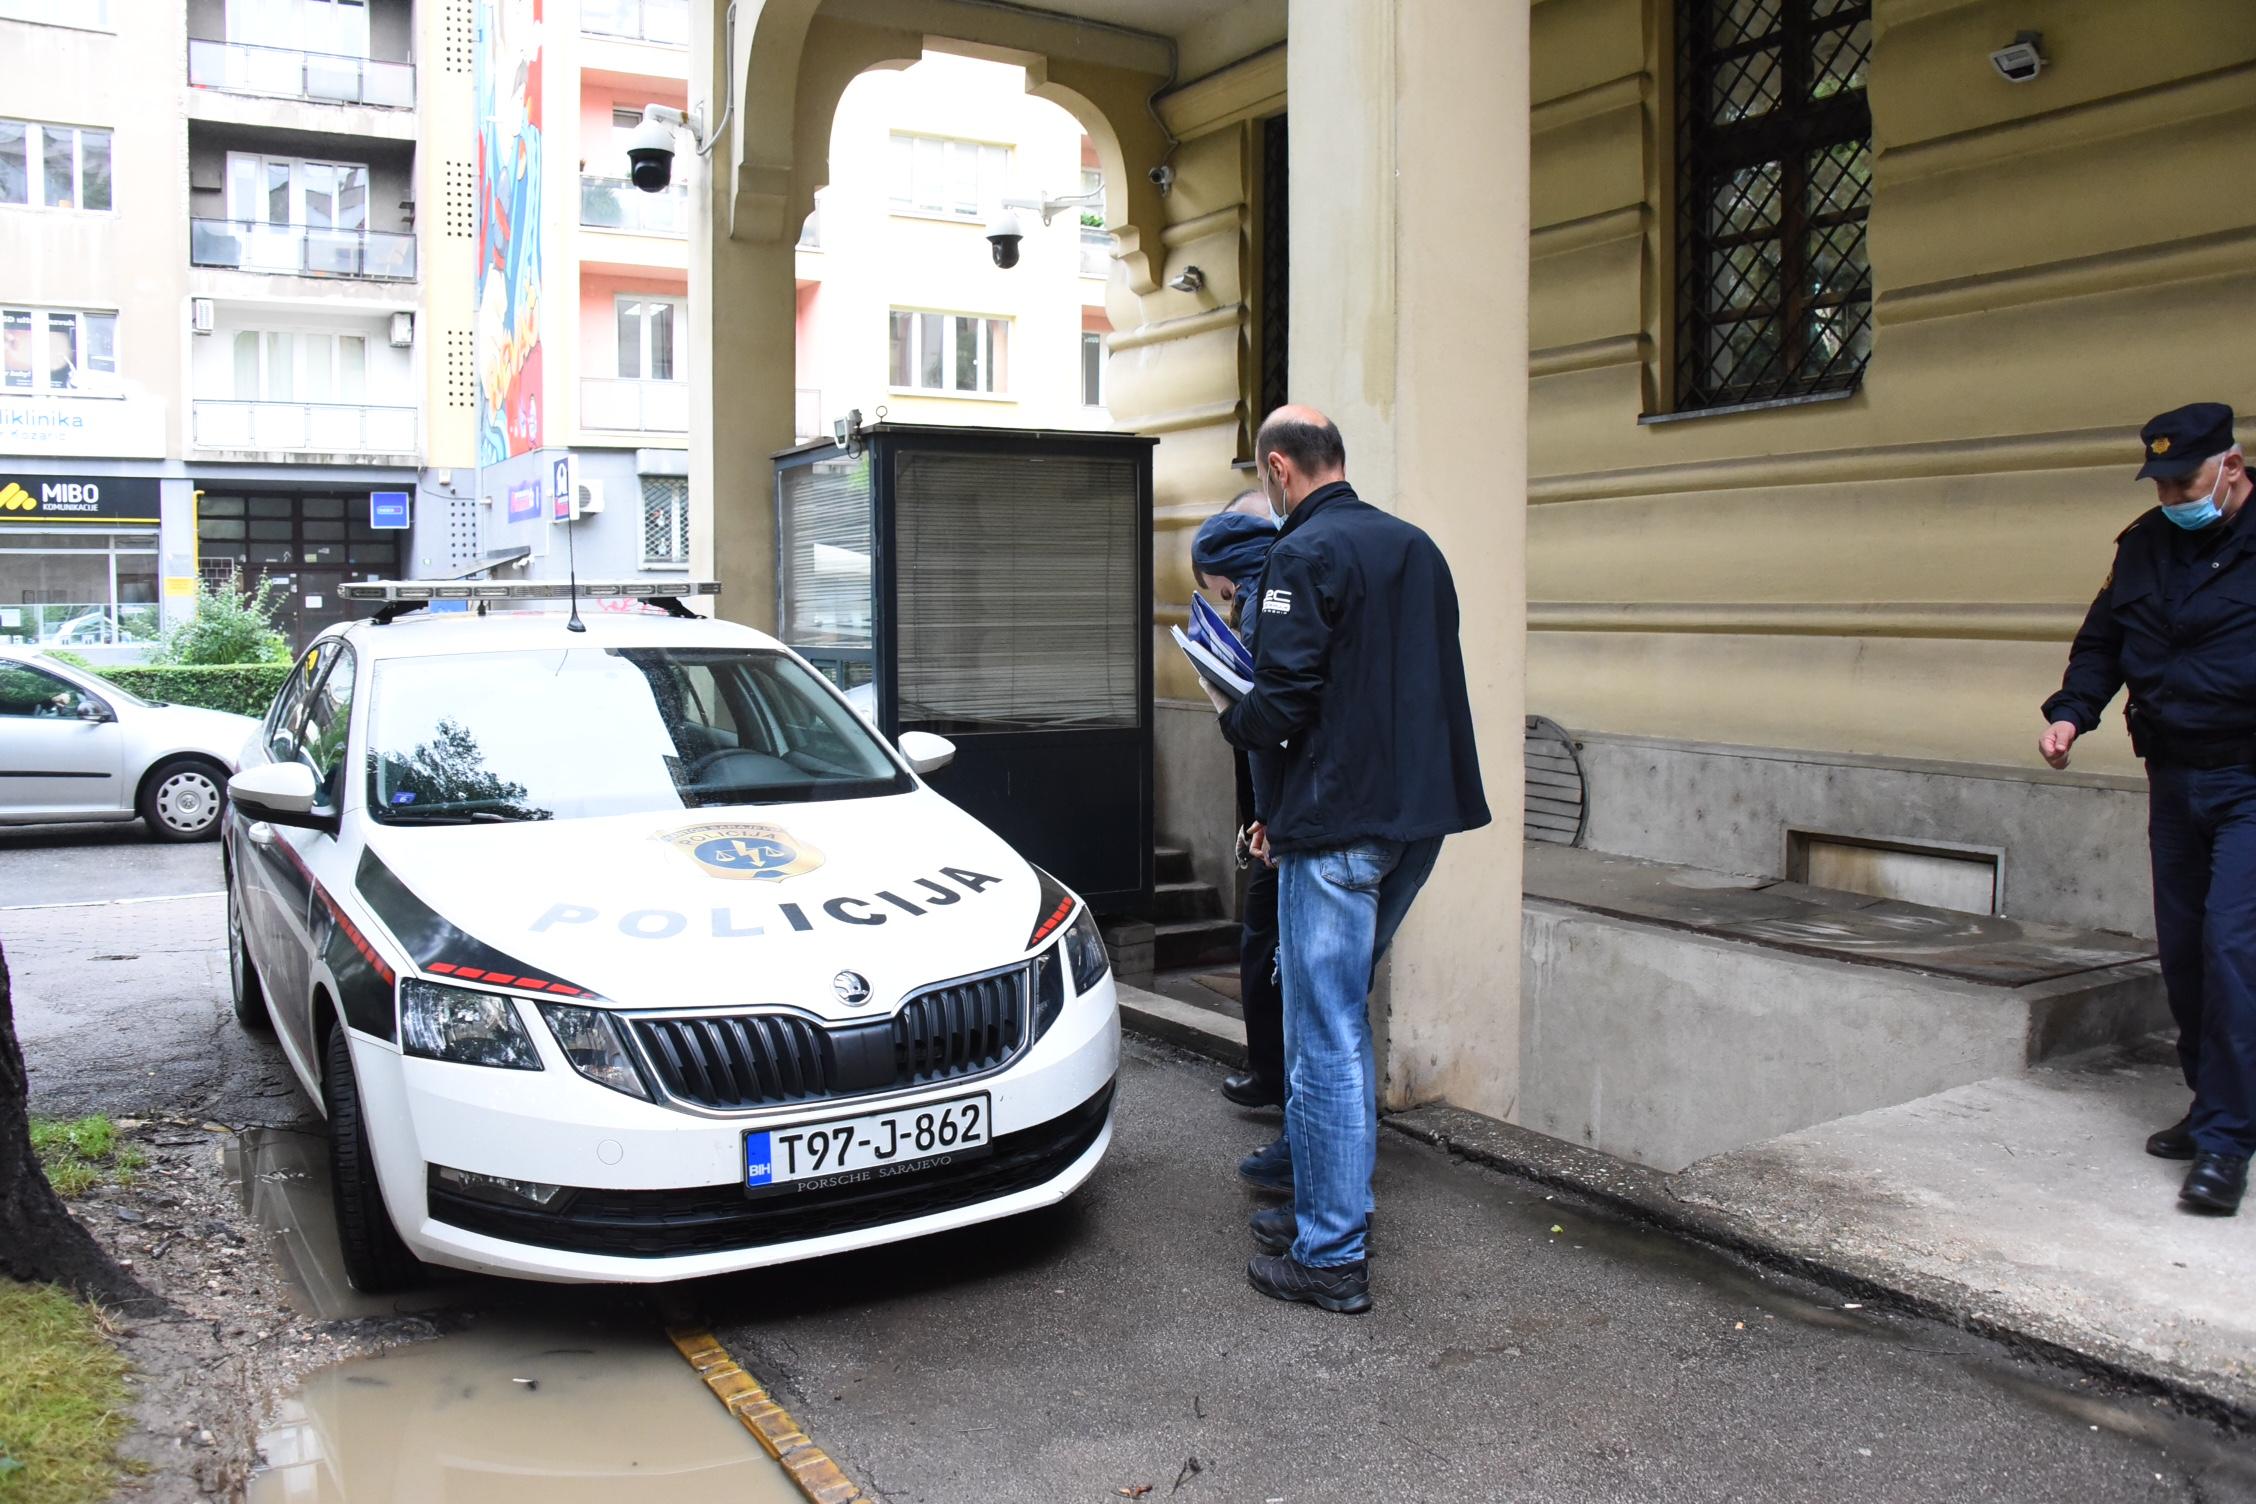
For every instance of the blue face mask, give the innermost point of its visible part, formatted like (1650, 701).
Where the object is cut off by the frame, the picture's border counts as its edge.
(2193, 516)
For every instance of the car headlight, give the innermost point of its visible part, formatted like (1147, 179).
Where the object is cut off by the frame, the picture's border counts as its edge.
(1085, 951)
(590, 1039)
(469, 1028)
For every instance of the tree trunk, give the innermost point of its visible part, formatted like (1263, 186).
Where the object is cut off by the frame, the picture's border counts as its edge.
(38, 1238)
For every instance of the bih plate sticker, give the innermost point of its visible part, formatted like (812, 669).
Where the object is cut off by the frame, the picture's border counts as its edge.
(760, 853)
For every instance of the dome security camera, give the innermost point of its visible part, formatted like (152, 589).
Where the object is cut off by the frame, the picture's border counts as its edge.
(1003, 237)
(650, 148)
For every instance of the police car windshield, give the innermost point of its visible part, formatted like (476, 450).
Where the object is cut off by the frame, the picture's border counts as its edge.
(562, 734)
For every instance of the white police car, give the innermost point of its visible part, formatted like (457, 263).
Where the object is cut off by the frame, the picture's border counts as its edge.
(633, 953)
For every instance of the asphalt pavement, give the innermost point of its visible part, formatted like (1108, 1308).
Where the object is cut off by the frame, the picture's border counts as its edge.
(1523, 1348)
(46, 864)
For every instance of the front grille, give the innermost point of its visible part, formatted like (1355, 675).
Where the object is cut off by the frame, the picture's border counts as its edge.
(721, 1218)
(739, 1061)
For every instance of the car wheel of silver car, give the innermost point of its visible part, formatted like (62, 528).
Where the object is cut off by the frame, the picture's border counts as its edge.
(242, 977)
(182, 800)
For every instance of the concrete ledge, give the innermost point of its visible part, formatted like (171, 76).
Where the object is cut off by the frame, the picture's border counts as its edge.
(1650, 1198)
(1199, 1030)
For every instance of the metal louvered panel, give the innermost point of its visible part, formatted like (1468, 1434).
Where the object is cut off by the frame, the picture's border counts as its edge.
(1554, 809)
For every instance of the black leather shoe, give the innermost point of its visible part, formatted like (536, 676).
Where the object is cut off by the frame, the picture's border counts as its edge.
(1249, 1090)
(2173, 1142)
(1275, 1227)
(2216, 1183)
(1346, 1289)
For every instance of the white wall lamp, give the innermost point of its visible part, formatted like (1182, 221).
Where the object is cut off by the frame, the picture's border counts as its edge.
(1190, 279)
(2020, 60)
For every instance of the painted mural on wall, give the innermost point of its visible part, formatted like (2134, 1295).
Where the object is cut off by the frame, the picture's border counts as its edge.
(509, 228)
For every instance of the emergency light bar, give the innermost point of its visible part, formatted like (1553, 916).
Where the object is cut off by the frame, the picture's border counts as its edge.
(416, 592)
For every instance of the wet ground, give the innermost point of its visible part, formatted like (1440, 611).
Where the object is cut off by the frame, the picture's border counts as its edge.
(1523, 1347)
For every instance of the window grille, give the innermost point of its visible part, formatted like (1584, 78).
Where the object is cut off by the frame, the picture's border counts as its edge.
(1774, 143)
(665, 519)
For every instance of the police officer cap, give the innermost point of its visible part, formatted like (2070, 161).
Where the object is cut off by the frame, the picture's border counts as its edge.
(2182, 439)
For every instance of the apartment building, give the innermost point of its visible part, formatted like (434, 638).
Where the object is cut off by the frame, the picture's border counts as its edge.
(900, 303)
(279, 295)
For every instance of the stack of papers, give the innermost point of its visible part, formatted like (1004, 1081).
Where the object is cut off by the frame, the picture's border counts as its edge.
(1221, 659)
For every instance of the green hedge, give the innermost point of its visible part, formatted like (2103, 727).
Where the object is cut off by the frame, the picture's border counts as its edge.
(245, 688)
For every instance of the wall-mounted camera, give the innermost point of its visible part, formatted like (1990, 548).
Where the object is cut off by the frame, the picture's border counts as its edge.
(1003, 237)
(650, 147)
(2020, 60)
(1163, 178)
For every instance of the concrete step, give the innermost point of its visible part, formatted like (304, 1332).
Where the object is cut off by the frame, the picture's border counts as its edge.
(1173, 901)
(1171, 864)
(1202, 1030)
(1684, 1013)
(1194, 942)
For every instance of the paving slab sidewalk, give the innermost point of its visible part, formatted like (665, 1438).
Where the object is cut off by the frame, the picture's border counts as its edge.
(2023, 1207)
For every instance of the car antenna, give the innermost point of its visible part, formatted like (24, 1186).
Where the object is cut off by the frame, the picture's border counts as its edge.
(572, 570)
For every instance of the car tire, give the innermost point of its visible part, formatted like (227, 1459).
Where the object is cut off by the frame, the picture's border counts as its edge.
(375, 1259)
(242, 976)
(183, 798)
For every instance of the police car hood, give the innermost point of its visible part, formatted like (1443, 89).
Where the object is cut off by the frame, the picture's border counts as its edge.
(710, 907)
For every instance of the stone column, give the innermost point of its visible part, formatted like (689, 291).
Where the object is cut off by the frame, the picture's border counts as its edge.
(1409, 327)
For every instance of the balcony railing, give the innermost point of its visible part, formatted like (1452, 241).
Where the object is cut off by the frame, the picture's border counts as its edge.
(665, 22)
(304, 427)
(617, 204)
(625, 405)
(283, 73)
(302, 250)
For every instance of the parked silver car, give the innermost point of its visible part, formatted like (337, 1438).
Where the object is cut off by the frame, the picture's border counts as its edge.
(74, 746)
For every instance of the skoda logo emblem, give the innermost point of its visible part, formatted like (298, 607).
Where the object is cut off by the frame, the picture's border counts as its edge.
(852, 987)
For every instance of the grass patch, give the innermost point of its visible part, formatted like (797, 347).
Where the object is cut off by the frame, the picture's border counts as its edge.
(79, 1154)
(62, 1399)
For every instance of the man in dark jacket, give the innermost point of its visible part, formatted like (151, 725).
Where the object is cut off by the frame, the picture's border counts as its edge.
(1359, 709)
(2176, 621)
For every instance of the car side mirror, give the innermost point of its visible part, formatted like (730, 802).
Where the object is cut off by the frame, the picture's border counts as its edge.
(96, 711)
(280, 793)
(927, 753)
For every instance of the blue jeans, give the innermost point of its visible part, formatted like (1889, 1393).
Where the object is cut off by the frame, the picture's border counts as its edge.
(2201, 829)
(1337, 912)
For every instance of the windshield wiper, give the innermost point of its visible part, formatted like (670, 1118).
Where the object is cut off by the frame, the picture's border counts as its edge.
(452, 817)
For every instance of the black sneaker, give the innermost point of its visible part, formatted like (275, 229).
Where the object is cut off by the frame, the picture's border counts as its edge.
(1345, 1289)
(1275, 1227)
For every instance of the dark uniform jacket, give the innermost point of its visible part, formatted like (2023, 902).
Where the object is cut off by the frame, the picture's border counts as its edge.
(1358, 674)
(2176, 621)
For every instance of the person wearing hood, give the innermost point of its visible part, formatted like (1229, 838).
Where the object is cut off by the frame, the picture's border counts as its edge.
(2175, 620)
(1227, 556)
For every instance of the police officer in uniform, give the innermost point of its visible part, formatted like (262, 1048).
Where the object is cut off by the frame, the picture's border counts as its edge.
(2176, 621)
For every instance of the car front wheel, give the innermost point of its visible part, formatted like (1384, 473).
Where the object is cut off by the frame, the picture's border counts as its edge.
(242, 977)
(183, 798)
(375, 1259)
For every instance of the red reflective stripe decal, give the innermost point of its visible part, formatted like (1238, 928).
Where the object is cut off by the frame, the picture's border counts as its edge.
(443, 968)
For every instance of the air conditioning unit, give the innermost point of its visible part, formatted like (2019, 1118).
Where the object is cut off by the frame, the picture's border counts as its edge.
(403, 330)
(591, 496)
(200, 314)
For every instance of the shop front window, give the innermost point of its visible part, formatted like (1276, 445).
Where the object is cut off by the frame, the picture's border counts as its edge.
(70, 589)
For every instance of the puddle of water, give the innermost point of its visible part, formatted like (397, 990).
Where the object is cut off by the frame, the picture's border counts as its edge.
(282, 1179)
(514, 1413)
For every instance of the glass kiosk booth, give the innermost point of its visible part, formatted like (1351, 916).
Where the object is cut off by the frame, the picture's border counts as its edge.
(993, 586)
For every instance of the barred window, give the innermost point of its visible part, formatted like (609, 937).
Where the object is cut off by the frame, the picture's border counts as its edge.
(1774, 183)
(665, 519)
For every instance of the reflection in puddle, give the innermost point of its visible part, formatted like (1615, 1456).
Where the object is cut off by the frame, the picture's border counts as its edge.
(517, 1412)
(517, 1409)
(282, 1178)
